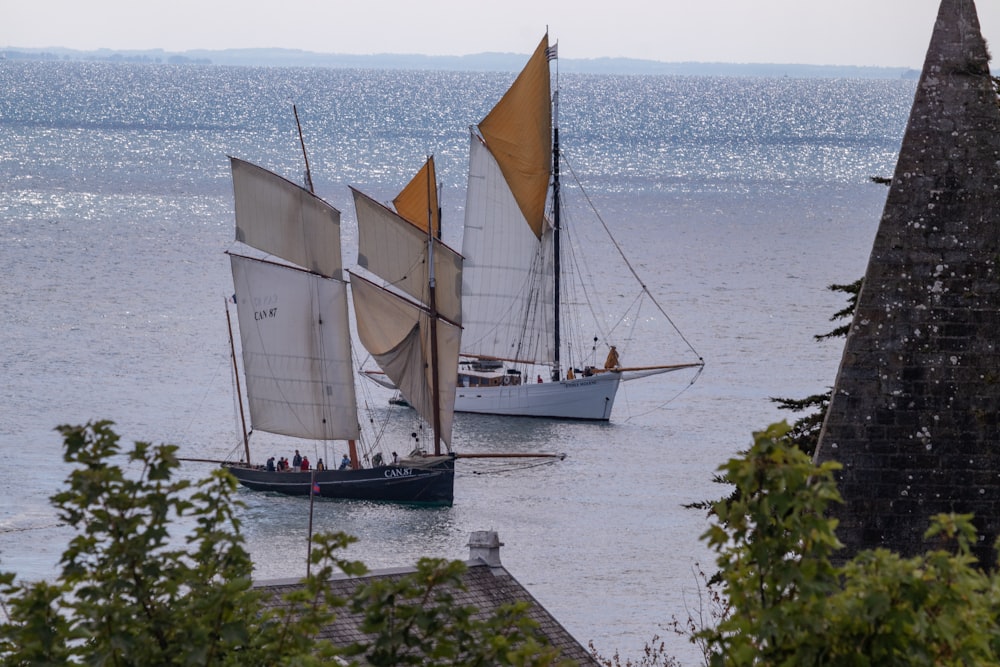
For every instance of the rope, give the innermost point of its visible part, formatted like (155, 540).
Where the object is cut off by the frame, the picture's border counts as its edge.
(627, 262)
(669, 400)
(514, 468)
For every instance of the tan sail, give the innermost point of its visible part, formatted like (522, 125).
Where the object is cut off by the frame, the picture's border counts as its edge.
(296, 350)
(279, 217)
(418, 202)
(395, 250)
(397, 334)
(518, 132)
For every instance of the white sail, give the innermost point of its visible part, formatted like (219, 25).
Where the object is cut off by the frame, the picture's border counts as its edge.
(397, 333)
(279, 217)
(506, 278)
(296, 351)
(395, 249)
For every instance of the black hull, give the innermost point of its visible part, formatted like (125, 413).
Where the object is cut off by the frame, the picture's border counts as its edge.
(430, 484)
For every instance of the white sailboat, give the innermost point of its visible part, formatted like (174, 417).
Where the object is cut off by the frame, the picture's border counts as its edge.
(292, 306)
(514, 358)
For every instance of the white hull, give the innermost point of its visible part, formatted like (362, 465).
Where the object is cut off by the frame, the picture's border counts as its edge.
(590, 398)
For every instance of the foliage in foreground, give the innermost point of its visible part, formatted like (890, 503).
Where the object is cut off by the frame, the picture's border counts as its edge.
(790, 605)
(128, 596)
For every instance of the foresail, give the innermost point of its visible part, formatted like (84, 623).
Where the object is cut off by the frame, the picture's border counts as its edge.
(280, 218)
(296, 343)
(507, 295)
(518, 132)
(395, 250)
(418, 201)
(396, 333)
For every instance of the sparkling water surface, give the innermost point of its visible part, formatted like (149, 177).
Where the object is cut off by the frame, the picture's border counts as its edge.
(738, 201)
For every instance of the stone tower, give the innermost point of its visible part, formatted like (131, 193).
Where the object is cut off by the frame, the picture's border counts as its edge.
(914, 412)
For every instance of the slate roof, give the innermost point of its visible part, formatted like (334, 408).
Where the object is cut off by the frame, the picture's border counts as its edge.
(487, 585)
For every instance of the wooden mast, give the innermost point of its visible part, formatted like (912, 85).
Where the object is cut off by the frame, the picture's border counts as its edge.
(302, 142)
(432, 304)
(352, 446)
(556, 269)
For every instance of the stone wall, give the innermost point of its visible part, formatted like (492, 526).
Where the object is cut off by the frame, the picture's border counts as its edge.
(913, 417)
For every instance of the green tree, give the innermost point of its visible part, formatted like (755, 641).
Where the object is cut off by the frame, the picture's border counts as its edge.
(789, 605)
(805, 430)
(127, 595)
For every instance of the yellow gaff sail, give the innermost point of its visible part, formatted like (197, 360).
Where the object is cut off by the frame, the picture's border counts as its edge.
(418, 201)
(518, 132)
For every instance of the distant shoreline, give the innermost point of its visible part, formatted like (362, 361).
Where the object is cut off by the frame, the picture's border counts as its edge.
(481, 62)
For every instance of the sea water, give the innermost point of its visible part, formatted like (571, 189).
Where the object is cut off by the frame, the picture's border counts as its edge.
(737, 200)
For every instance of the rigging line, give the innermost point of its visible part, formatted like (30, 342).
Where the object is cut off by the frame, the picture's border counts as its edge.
(30, 528)
(625, 258)
(182, 436)
(670, 400)
(572, 290)
(637, 305)
(513, 468)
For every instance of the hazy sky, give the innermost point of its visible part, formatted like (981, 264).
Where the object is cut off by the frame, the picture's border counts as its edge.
(821, 32)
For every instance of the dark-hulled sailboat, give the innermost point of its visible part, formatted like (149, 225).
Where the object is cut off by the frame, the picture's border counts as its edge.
(293, 312)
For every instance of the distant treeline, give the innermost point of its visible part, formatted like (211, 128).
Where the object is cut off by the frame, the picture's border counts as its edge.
(100, 56)
(481, 62)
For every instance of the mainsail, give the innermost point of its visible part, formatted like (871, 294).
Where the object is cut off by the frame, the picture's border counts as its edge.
(416, 343)
(296, 351)
(508, 302)
(294, 325)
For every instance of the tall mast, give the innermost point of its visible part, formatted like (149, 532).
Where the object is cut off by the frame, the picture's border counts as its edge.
(556, 370)
(302, 142)
(432, 304)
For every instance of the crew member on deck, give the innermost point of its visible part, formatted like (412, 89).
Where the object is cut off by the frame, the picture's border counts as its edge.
(345, 463)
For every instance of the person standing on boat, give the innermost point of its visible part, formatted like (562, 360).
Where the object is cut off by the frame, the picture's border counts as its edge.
(304, 464)
(319, 465)
(395, 459)
(296, 460)
(270, 464)
(345, 463)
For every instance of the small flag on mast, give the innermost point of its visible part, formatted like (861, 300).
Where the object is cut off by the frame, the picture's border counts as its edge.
(552, 52)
